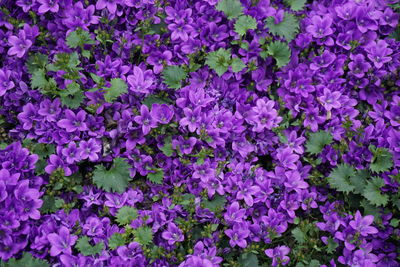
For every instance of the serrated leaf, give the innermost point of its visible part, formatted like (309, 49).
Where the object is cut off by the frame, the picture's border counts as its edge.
(72, 96)
(216, 204)
(237, 64)
(359, 180)
(126, 214)
(299, 235)
(317, 141)
(280, 51)
(117, 88)
(37, 61)
(38, 79)
(173, 76)
(115, 179)
(295, 5)
(287, 28)
(331, 246)
(314, 263)
(156, 176)
(86, 249)
(116, 240)
(382, 160)
(248, 260)
(27, 260)
(370, 209)
(339, 178)
(219, 61)
(373, 194)
(245, 23)
(79, 38)
(167, 147)
(152, 99)
(231, 8)
(143, 235)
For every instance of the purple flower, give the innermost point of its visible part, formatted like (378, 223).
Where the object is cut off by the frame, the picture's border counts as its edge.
(320, 26)
(234, 214)
(358, 66)
(157, 59)
(287, 158)
(278, 255)
(55, 162)
(145, 119)
(19, 45)
(61, 242)
(48, 5)
(185, 145)
(246, 191)
(362, 224)
(140, 81)
(128, 253)
(330, 99)
(5, 82)
(29, 197)
(191, 118)
(111, 5)
(8, 178)
(238, 235)
(378, 53)
(363, 20)
(71, 153)
(89, 149)
(93, 227)
(323, 60)
(294, 181)
(73, 122)
(263, 116)
(28, 116)
(161, 113)
(173, 234)
(50, 109)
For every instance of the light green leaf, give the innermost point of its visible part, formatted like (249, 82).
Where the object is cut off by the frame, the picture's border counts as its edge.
(115, 179)
(299, 235)
(37, 61)
(116, 240)
(317, 141)
(153, 99)
(86, 249)
(287, 28)
(126, 214)
(339, 178)
(79, 38)
(143, 235)
(173, 76)
(295, 5)
(359, 180)
(27, 260)
(248, 260)
(373, 194)
(332, 245)
(72, 97)
(245, 23)
(167, 148)
(382, 160)
(280, 52)
(118, 87)
(231, 8)
(217, 204)
(237, 64)
(219, 61)
(156, 176)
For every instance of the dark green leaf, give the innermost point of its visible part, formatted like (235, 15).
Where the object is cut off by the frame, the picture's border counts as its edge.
(359, 180)
(117, 88)
(86, 249)
(115, 179)
(167, 147)
(373, 193)
(317, 141)
(280, 52)
(27, 260)
(156, 176)
(72, 97)
(339, 178)
(231, 8)
(295, 5)
(216, 204)
(248, 260)
(245, 23)
(173, 76)
(382, 160)
(116, 240)
(299, 235)
(287, 28)
(79, 38)
(143, 235)
(126, 214)
(37, 61)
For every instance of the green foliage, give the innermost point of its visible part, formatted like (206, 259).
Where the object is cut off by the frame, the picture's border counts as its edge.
(339, 178)
(217, 204)
(86, 249)
(72, 97)
(332, 245)
(67, 62)
(167, 147)
(126, 214)
(298, 235)
(287, 28)
(231, 8)
(173, 76)
(39, 81)
(245, 23)
(143, 235)
(27, 260)
(317, 141)
(117, 88)
(382, 160)
(359, 180)
(153, 99)
(373, 194)
(280, 51)
(37, 61)
(248, 260)
(219, 60)
(115, 179)
(295, 5)
(78, 38)
(156, 176)
(237, 64)
(116, 240)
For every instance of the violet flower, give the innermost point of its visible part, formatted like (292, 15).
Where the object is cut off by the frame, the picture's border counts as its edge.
(173, 234)
(61, 242)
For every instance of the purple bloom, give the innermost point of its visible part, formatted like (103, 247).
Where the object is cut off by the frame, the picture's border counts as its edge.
(191, 118)
(28, 116)
(246, 191)
(161, 113)
(294, 181)
(89, 149)
(234, 214)
(330, 99)
(238, 235)
(111, 5)
(140, 81)
(55, 162)
(19, 45)
(8, 178)
(358, 66)
(363, 20)
(173, 234)
(61, 242)
(73, 122)
(29, 197)
(48, 5)
(264, 116)
(93, 227)
(185, 145)
(278, 255)
(5, 82)
(323, 60)
(379, 53)
(287, 158)
(145, 119)
(71, 153)
(50, 109)
(320, 26)
(362, 224)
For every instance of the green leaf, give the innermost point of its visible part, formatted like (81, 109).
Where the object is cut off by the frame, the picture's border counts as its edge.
(332, 245)
(237, 64)
(287, 28)
(382, 160)
(153, 99)
(219, 61)
(295, 5)
(317, 141)
(143, 235)
(370, 209)
(126, 214)
(79, 38)
(173, 76)
(38, 79)
(116, 240)
(359, 180)
(245, 23)
(280, 52)
(299, 235)
(231, 8)
(115, 179)
(156, 176)
(117, 88)
(167, 148)
(314, 263)
(72, 97)
(339, 178)
(48, 204)
(248, 260)
(27, 260)
(373, 194)
(86, 249)
(37, 61)
(216, 204)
